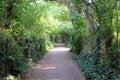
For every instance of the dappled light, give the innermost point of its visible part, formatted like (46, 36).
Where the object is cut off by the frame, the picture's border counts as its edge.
(45, 67)
(60, 49)
(40, 38)
(56, 65)
(54, 79)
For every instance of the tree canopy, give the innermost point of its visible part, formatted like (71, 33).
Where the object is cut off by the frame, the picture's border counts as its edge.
(28, 28)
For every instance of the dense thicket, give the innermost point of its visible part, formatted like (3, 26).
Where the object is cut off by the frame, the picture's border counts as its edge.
(98, 36)
(27, 30)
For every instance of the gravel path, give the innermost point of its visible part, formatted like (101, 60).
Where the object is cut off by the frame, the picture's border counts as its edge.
(56, 65)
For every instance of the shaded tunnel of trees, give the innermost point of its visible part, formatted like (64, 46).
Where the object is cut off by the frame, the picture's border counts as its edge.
(28, 28)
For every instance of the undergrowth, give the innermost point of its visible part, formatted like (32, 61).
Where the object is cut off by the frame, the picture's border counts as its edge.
(95, 71)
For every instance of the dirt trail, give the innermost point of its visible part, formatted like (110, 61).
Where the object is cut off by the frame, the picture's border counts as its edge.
(56, 65)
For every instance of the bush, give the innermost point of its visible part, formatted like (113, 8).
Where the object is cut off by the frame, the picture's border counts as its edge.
(15, 55)
(95, 71)
(11, 54)
(76, 42)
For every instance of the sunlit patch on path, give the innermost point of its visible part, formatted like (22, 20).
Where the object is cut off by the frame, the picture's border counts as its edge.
(56, 65)
(60, 49)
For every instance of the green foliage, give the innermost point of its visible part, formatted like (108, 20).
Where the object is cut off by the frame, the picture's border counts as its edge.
(76, 39)
(99, 39)
(95, 71)
(27, 30)
(11, 53)
(65, 30)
